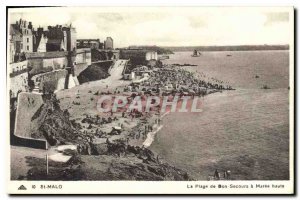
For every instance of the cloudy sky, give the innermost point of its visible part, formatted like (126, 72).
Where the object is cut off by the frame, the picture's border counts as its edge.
(168, 26)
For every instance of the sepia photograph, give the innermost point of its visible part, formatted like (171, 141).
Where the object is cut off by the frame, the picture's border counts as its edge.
(183, 100)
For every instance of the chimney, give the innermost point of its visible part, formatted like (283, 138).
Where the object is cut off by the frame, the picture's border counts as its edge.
(30, 25)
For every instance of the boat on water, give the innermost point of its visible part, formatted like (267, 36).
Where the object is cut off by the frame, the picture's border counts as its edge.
(196, 53)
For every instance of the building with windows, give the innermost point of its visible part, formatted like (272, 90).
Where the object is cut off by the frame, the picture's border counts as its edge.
(27, 36)
(88, 43)
(109, 43)
(24, 39)
(15, 41)
(21, 39)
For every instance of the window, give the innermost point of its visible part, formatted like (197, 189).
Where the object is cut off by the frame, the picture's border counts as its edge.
(27, 48)
(27, 40)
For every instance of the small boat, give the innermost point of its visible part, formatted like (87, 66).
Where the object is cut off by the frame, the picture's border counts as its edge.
(228, 55)
(196, 53)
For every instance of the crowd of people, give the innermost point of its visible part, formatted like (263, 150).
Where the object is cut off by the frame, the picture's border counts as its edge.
(176, 80)
(161, 81)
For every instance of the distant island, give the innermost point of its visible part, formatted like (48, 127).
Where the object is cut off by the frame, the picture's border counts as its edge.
(229, 48)
(159, 50)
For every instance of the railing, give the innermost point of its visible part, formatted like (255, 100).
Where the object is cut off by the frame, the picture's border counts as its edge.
(101, 61)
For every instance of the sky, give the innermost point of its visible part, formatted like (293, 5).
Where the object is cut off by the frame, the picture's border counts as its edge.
(185, 26)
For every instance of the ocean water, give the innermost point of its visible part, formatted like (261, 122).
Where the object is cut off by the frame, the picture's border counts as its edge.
(245, 131)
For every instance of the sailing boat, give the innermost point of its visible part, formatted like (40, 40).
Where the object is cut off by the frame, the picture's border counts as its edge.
(196, 53)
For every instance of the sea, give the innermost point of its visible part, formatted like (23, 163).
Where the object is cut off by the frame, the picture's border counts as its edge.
(245, 130)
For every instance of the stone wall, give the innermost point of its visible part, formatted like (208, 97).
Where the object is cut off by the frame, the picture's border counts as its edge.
(55, 63)
(83, 56)
(16, 67)
(18, 77)
(18, 83)
(56, 78)
(41, 62)
(28, 104)
(82, 60)
(72, 81)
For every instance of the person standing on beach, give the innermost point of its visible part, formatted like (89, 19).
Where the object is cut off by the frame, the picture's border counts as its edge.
(225, 174)
(228, 172)
(216, 174)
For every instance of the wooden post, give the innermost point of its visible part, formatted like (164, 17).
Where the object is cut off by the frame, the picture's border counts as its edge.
(47, 164)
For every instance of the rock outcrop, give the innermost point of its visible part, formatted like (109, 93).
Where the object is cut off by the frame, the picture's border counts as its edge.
(52, 123)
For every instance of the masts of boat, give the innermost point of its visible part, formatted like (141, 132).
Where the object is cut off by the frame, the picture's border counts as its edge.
(196, 53)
